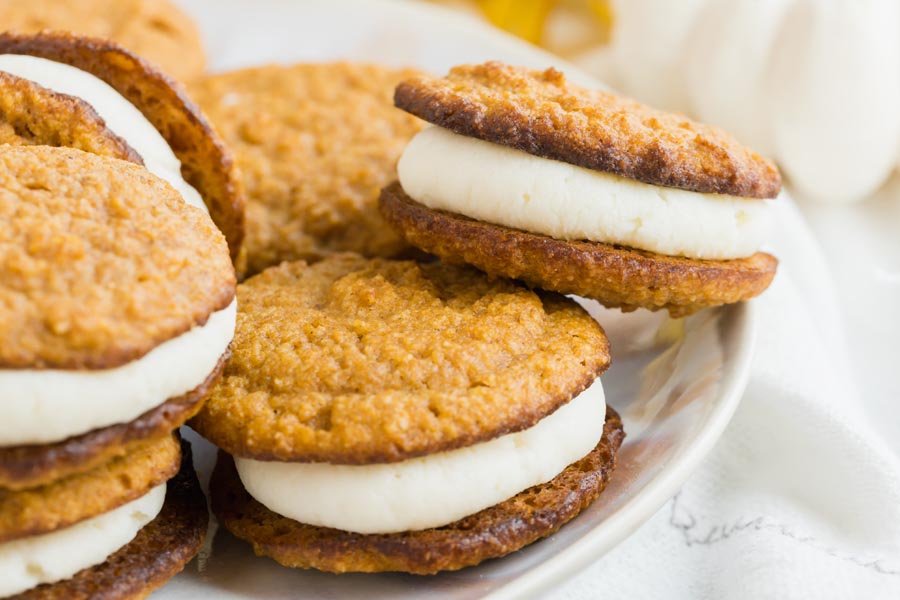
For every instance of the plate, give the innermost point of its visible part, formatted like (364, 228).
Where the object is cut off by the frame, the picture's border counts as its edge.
(675, 383)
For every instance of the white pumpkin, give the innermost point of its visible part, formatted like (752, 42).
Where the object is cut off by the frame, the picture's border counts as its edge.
(813, 83)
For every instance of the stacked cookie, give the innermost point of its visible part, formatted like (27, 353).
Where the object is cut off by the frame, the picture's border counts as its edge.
(383, 415)
(117, 307)
(526, 175)
(116, 311)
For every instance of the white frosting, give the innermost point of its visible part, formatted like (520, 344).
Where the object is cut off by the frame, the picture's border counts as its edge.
(433, 490)
(121, 116)
(44, 406)
(503, 186)
(52, 557)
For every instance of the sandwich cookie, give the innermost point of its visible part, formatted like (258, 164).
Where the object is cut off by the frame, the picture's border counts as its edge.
(62, 90)
(314, 144)
(529, 176)
(155, 29)
(377, 408)
(117, 307)
(119, 531)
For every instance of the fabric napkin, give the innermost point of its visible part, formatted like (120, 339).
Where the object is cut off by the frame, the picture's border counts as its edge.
(800, 498)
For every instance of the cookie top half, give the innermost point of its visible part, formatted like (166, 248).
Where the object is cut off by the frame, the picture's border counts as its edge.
(100, 261)
(357, 361)
(156, 29)
(541, 113)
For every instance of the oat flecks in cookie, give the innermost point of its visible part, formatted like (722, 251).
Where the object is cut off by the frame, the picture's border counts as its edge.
(496, 531)
(33, 115)
(205, 162)
(67, 501)
(155, 29)
(314, 144)
(542, 113)
(100, 261)
(23, 467)
(613, 275)
(354, 360)
(160, 550)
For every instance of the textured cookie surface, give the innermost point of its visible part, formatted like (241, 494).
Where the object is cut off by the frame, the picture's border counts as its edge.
(160, 550)
(23, 467)
(615, 276)
(67, 501)
(314, 144)
(100, 261)
(496, 531)
(154, 29)
(33, 115)
(205, 162)
(354, 361)
(541, 113)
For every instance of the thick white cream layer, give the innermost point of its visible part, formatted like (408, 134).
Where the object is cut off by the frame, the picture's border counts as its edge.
(44, 406)
(433, 490)
(52, 557)
(121, 116)
(503, 186)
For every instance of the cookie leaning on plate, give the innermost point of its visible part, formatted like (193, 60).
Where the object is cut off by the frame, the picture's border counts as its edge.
(60, 89)
(314, 143)
(376, 408)
(529, 176)
(156, 29)
(117, 307)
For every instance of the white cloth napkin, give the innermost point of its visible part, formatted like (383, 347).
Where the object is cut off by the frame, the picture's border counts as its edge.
(801, 496)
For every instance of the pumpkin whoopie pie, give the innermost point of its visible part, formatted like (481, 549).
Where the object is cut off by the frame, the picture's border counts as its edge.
(116, 532)
(155, 29)
(384, 415)
(529, 176)
(314, 144)
(117, 310)
(59, 89)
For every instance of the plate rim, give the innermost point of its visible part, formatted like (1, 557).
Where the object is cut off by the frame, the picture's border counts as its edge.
(621, 524)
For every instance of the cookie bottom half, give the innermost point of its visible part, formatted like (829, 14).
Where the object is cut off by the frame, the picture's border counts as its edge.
(491, 533)
(617, 277)
(23, 467)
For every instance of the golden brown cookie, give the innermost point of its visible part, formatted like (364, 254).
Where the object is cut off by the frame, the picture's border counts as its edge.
(106, 222)
(615, 276)
(314, 144)
(33, 115)
(155, 29)
(354, 361)
(159, 551)
(496, 531)
(68, 501)
(23, 467)
(541, 113)
(206, 163)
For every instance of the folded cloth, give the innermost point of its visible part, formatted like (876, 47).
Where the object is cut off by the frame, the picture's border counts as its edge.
(800, 498)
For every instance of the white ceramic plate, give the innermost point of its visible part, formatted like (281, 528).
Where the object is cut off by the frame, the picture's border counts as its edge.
(676, 384)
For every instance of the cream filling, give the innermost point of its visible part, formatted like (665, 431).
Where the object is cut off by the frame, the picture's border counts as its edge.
(52, 557)
(503, 186)
(44, 406)
(433, 490)
(121, 116)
